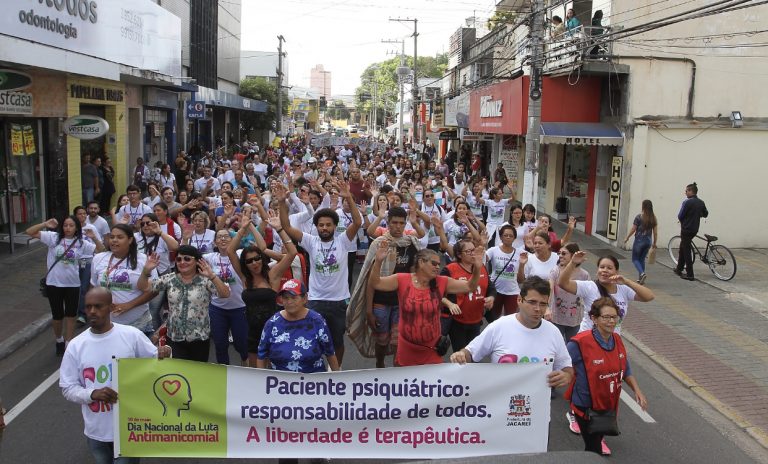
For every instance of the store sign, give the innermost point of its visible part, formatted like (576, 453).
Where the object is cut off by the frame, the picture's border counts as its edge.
(89, 92)
(86, 127)
(457, 111)
(467, 136)
(137, 33)
(12, 98)
(195, 110)
(491, 109)
(614, 193)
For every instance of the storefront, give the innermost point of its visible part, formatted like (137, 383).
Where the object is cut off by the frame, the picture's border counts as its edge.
(106, 100)
(578, 170)
(31, 102)
(160, 107)
(456, 115)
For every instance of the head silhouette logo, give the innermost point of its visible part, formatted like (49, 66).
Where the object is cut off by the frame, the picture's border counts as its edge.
(173, 392)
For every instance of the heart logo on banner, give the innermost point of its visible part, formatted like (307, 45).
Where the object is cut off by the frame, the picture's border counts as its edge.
(171, 386)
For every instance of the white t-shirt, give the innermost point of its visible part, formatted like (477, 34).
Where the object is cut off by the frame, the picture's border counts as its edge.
(261, 171)
(588, 291)
(540, 268)
(496, 211)
(134, 212)
(223, 268)
(121, 280)
(100, 224)
(86, 367)
(161, 249)
(432, 236)
(508, 338)
(66, 273)
(167, 181)
(202, 183)
(453, 231)
(505, 268)
(345, 219)
(204, 241)
(89, 226)
(329, 263)
(152, 201)
(175, 233)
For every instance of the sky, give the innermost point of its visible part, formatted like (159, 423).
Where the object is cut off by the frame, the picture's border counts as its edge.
(345, 35)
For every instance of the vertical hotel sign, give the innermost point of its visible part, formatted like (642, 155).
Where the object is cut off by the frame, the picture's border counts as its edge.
(614, 192)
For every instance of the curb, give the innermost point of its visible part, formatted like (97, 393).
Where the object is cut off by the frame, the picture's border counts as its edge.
(16, 341)
(756, 433)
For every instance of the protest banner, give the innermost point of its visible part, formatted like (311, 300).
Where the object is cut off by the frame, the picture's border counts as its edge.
(174, 408)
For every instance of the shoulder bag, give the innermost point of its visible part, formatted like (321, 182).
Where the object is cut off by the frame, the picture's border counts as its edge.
(602, 422)
(43, 285)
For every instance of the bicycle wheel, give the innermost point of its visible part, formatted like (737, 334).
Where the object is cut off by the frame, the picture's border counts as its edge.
(674, 248)
(722, 263)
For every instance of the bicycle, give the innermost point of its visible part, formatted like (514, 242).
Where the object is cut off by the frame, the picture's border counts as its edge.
(719, 258)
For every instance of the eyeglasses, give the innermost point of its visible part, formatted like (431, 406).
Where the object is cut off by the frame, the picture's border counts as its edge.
(255, 259)
(429, 196)
(184, 259)
(540, 304)
(609, 318)
(145, 223)
(470, 251)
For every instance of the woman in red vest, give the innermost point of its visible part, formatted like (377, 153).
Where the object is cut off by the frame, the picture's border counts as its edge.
(601, 364)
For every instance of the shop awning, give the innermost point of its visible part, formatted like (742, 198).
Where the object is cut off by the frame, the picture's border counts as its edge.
(581, 133)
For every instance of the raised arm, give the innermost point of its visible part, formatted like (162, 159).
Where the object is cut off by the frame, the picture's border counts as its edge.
(384, 284)
(170, 242)
(467, 286)
(280, 194)
(375, 224)
(277, 271)
(571, 226)
(565, 282)
(521, 267)
(34, 231)
(232, 248)
(357, 220)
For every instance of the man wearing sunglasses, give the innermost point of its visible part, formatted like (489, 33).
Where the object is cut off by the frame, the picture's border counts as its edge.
(524, 336)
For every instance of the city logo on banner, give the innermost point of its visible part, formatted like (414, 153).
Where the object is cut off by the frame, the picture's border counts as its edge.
(490, 108)
(86, 127)
(12, 99)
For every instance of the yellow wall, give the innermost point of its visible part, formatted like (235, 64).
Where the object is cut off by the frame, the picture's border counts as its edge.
(117, 117)
(725, 165)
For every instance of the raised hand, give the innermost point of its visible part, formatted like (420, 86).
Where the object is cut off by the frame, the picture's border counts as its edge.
(51, 223)
(156, 228)
(578, 257)
(205, 269)
(571, 222)
(187, 230)
(523, 258)
(152, 262)
(383, 250)
(274, 221)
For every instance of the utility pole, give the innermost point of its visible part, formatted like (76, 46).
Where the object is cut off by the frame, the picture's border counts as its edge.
(402, 71)
(279, 122)
(532, 137)
(415, 86)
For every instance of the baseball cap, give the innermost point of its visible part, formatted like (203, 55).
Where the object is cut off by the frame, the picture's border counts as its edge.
(294, 286)
(313, 160)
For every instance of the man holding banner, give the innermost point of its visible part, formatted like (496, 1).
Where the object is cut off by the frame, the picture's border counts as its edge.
(524, 337)
(86, 372)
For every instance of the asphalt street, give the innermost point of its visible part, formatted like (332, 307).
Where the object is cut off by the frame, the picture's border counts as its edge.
(685, 430)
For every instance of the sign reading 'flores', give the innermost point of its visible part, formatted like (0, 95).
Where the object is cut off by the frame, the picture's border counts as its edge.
(86, 127)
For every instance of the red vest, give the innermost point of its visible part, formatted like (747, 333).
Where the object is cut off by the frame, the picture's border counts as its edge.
(472, 305)
(605, 371)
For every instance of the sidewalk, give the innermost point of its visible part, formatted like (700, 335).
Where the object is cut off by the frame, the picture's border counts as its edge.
(710, 335)
(23, 311)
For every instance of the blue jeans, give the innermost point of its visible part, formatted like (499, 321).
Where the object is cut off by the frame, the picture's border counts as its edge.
(224, 321)
(103, 452)
(640, 250)
(85, 284)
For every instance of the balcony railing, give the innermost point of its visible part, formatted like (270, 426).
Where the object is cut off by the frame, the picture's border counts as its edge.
(572, 48)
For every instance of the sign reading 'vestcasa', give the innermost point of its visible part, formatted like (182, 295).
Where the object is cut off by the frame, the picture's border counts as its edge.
(12, 98)
(86, 127)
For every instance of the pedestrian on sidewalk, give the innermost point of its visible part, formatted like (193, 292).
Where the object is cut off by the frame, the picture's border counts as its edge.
(66, 247)
(691, 212)
(645, 229)
(85, 371)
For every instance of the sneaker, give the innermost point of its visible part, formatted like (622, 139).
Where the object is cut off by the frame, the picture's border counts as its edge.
(687, 277)
(605, 450)
(643, 276)
(572, 424)
(677, 271)
(60, 348)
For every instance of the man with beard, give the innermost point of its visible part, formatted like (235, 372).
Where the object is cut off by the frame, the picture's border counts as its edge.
(328, 287)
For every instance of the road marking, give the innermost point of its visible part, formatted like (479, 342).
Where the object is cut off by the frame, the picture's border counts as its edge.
(29, 399)
(629, 401)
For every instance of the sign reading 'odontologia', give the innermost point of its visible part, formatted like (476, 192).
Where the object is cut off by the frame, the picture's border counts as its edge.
(137, 33)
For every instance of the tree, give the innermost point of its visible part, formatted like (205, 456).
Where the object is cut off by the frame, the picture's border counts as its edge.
(259, 88)
(387, 89)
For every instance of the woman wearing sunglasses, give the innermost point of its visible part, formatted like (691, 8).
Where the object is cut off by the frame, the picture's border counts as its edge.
(419, 295)
(260, 282)
(152, 239)
(189, 290)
